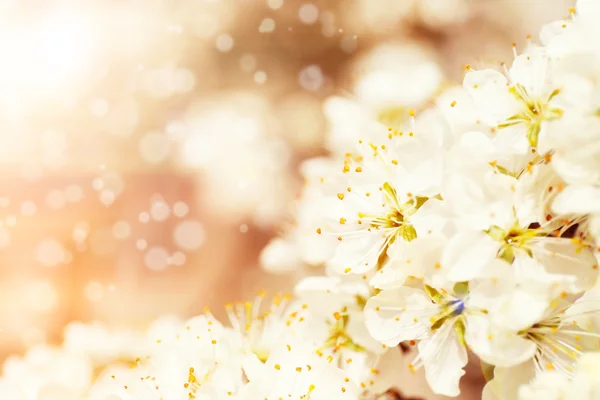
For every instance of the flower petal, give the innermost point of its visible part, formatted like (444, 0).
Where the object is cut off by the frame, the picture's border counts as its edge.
(358, 255)
(570, 260)
(507, 381)
(467, 254)
(399, 314)
(444, 358)
(489, 91)
(579, 199)
(495, 345)
(279, 256)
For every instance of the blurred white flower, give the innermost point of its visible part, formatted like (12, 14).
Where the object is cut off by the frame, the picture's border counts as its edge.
(294, 371)
(251, 180)
(397, 75)
(551, 385)
(46, 372)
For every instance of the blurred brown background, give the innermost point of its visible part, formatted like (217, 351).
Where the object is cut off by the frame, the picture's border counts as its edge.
(148, 149)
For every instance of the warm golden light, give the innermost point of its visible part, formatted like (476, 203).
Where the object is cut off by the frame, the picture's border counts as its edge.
(150, 150)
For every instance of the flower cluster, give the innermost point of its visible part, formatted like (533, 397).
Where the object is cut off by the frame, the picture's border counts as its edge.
(300, 349)
(473, 224)
(553, 385)
(67, 372)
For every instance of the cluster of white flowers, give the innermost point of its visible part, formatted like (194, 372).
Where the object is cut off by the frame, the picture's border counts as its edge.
(300, 349)
(67, 372)
(473, 224)
(552, 385)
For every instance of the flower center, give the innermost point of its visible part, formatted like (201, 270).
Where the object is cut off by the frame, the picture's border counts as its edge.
(451, 312)
(533, 112)
(194, 383)
(450, 306)
(261, 353)
(515, 238)
(255, 327)
(458, 306)
(393, 117)
(393, 219)
(557, 347)
(338, 336)
(396, 216)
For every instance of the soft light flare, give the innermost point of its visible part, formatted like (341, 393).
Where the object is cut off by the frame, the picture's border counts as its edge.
(45, 54)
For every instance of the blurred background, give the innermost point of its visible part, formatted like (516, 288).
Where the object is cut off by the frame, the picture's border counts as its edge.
(149, 148)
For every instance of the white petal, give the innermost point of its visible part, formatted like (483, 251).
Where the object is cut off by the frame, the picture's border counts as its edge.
(585, 310)
(279, 256)
(324, 295)
(400, 314)
(570, 260)
(479, 141)
(529, 70)
(578, 199)
(512, 140)
(490, 93)
(357, 330)
(390, 276)
(253, 367)
(425, 172)
(507, 381)
(491, 390)
(358, 255)
(501, 214)
(431, 218)
(588, 366)
(419, 258)
(495, 281)
(281, 379)
(314, 249)
(348, 122)
(317, 284)
(463, 193)
(552, 31)
(497, 346)
(458, 108)
(575, 168)
(467, 254)
(521, 309)
(549, 385)
(588, 11)
(538, 279)
(390, 366)
(444, 358)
